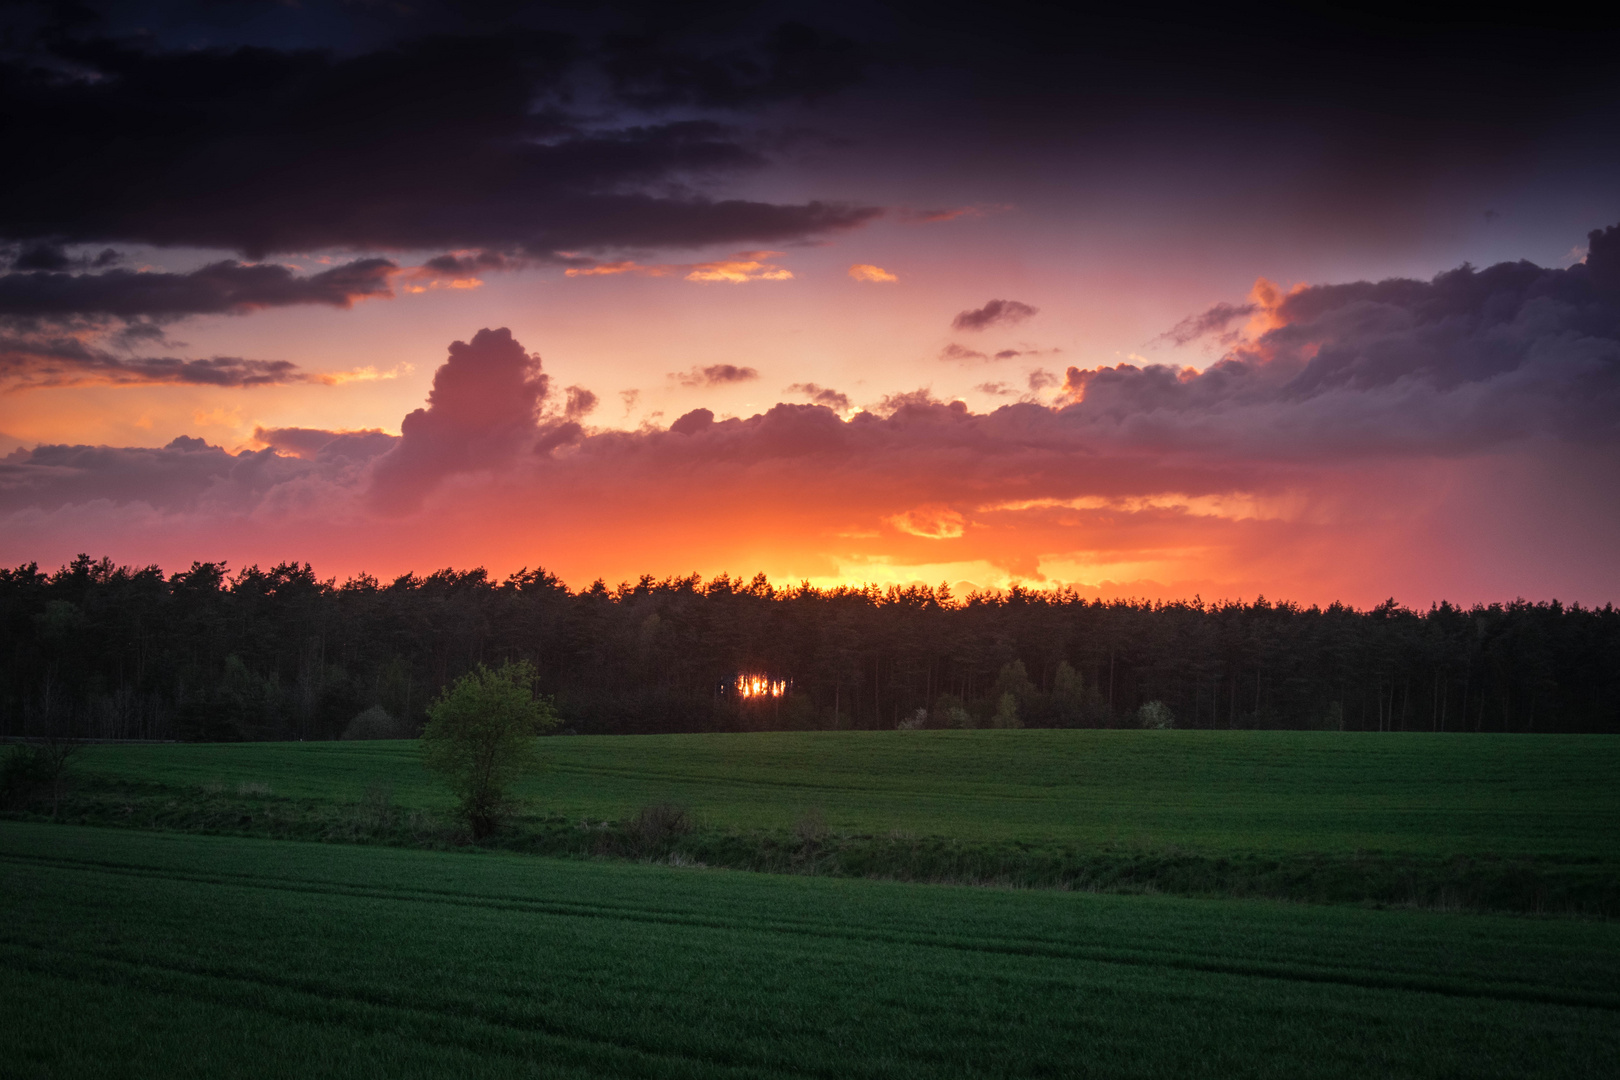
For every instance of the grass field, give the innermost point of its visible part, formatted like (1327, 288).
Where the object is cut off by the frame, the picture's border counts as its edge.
(1495, 823)
(1211, 791)
(126, 953)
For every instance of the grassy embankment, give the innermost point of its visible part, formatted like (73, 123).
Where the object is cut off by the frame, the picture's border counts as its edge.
(140, 954)
(1519, 823)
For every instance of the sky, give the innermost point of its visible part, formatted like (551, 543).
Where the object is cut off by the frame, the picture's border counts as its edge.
(1324, 308)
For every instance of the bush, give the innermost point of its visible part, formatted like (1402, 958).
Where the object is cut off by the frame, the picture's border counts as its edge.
(31, 771)
(376, 723)
(480, 737)
(1156, 715)
(1006, 715)
(655, 828)
(915, 722)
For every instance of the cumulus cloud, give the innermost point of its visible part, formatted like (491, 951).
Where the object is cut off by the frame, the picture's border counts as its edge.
(869, 273)
(993, 313)
(1470, 359)
(482, 412)
(715, 375)
(821, 395)
(317, 444)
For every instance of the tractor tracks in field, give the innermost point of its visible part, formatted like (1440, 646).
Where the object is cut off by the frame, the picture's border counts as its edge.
(1360, 978)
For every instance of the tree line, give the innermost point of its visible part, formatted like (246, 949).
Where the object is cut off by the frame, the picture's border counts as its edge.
(97, 650)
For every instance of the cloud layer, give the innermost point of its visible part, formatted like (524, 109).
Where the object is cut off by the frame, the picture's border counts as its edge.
(1361, 442)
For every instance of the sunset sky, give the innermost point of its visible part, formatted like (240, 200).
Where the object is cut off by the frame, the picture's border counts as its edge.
(1325, 308)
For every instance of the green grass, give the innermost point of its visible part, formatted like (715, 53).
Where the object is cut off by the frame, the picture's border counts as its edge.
(141, 954)
(1210, 792)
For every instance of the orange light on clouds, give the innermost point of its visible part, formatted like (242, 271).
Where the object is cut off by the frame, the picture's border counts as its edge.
(748, 266)
(874, 274)
(931, 522)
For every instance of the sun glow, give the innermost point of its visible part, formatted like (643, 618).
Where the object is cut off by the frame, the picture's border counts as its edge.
(754, 686)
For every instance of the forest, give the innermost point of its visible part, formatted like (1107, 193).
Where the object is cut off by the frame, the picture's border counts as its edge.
(102, 651)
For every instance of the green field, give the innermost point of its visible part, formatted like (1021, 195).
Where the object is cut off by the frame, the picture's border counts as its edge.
(141, 954)
(1209, 791)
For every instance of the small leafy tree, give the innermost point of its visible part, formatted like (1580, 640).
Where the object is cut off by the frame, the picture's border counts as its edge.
(480, 738)
(1156, 716)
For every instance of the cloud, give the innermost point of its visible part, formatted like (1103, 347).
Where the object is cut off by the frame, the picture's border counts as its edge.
(1213, 321)
(1456, 435)
(874, 274)
(715, 375)
(226, 287)
(623, 266)
(580, 403)
(38, 361)
(630, 398)
(44, 255)
(1042, 380)
(482, 412)
(932, 217)
(994, 313)
(821, 395)
(657, 68)
(1467, 360)
(749, 266)
(995, 389)
(953, 351)
(316, 444)
(931, 522)
(480, 139)
(739, 269)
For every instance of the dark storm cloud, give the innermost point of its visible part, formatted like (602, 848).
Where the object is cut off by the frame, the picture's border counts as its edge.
(47, 256)
(994, 313)
(794, 61)
(226, 287)
(444, 141)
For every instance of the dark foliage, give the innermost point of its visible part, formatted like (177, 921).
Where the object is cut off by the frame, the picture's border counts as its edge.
(101, 651)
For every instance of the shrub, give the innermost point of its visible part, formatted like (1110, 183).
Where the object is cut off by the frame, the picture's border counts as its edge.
(376, 723)
(655, 828)
(1156, 715)
(915, 722)
(1006, 715)
(34, 770)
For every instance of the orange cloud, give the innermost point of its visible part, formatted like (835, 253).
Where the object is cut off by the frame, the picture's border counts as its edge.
(748, 266)
(930, 522)
(624, 266)
(868, 272)
(742, 267)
